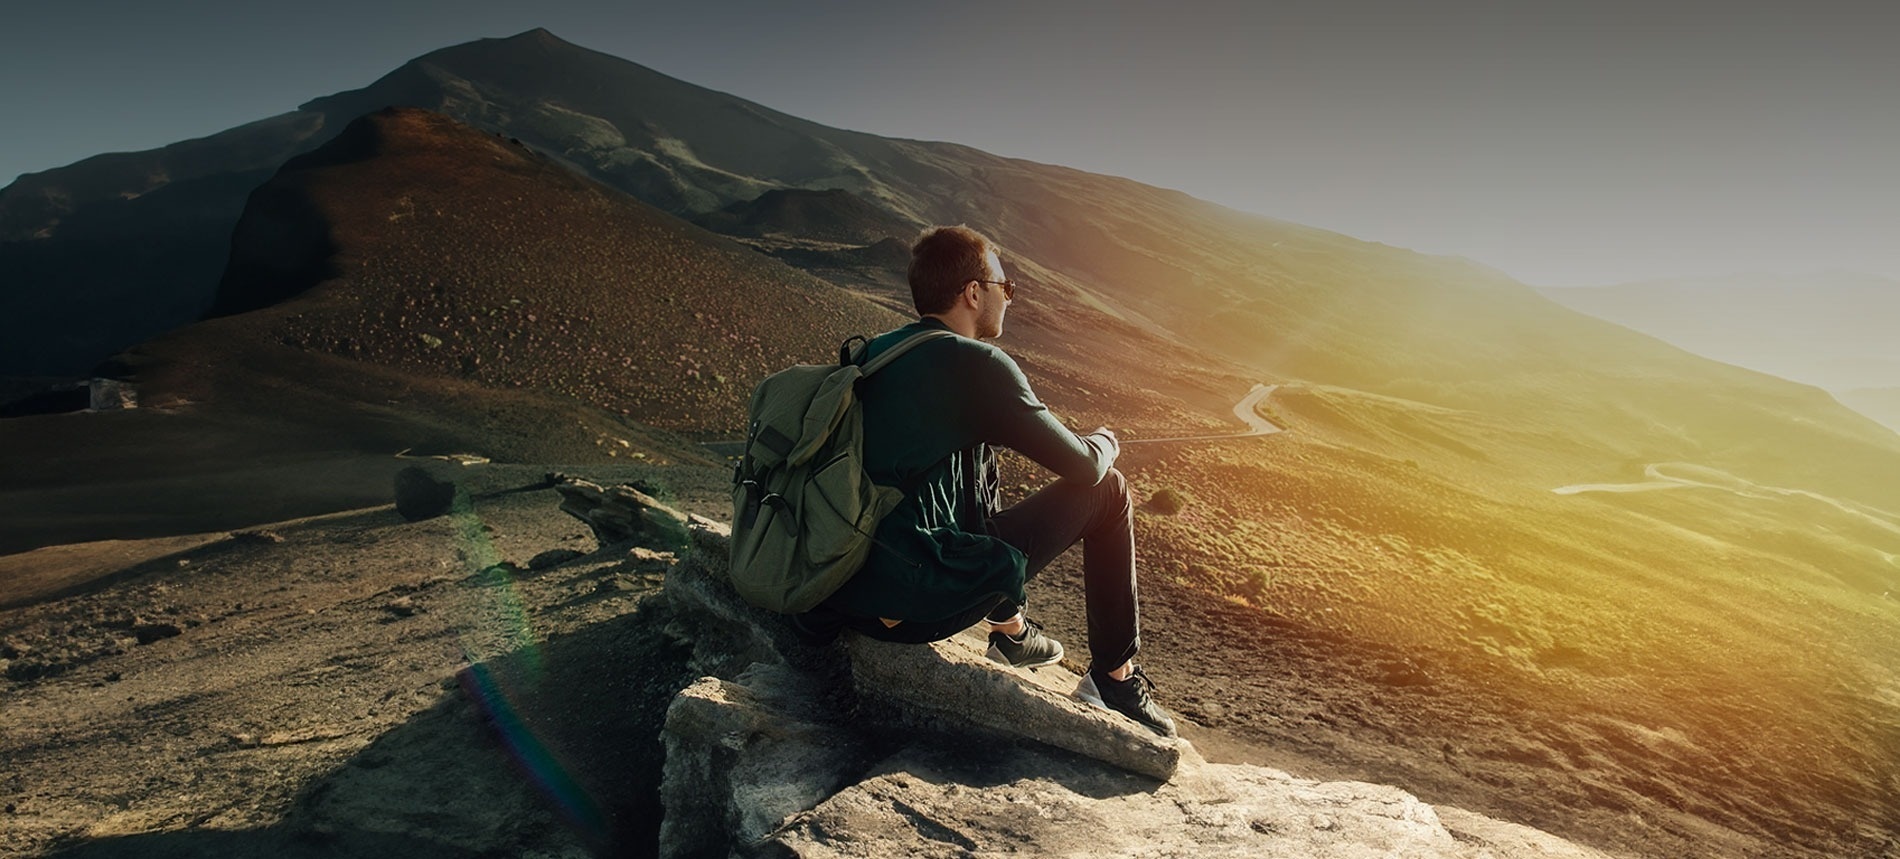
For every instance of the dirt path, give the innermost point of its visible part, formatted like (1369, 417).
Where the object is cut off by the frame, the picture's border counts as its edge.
(1244, 410)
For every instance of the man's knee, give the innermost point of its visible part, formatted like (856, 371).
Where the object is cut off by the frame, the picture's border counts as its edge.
(1114, 487)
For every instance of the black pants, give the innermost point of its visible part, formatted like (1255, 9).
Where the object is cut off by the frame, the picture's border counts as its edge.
(1043, 526)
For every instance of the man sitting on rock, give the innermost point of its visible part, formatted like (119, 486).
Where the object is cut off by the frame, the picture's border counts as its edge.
(947, 556)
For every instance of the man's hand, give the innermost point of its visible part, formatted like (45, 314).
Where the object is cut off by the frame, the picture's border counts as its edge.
(1114, 444)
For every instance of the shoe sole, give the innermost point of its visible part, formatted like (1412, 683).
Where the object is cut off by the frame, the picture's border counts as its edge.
(996, 655)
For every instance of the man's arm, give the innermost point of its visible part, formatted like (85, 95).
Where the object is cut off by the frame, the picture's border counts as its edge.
(1008, 413)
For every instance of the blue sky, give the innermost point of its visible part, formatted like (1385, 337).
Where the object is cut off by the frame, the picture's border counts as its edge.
(1562, 143)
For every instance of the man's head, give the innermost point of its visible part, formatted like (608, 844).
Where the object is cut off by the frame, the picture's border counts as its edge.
(955, 275)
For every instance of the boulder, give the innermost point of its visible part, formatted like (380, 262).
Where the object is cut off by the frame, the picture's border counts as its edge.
(743, 755)
(728, 634)
(421, 495)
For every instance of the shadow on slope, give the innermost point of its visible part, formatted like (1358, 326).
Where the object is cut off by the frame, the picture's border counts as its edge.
(421, 245)
(117, 248)
(833, 215)
(417, 285)
(549, 747)
(279, 434)
(544, 749)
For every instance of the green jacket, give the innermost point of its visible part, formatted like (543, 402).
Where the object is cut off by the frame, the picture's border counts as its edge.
(929, 421)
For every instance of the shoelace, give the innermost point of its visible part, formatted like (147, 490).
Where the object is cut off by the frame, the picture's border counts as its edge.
(1027, 623)
(1147, 683)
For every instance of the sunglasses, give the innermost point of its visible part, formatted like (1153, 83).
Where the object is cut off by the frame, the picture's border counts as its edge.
(1009, 288)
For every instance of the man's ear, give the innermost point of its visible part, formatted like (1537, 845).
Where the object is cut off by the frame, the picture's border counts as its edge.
(969, 296)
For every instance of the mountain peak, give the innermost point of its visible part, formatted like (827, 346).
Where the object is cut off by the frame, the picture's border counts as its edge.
(538, 36)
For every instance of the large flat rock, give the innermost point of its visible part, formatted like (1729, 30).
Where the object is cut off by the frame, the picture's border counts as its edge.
(951, 685)
(1017, 801)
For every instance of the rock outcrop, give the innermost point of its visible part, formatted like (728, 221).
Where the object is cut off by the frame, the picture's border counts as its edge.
(621, 514)
(858, 748)
(744, 755)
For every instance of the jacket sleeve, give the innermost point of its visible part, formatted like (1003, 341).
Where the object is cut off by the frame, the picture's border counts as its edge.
(1007, 413)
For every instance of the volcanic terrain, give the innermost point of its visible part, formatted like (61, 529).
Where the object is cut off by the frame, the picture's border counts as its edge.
(1503, 555)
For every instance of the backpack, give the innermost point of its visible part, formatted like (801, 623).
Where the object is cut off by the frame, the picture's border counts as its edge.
(803, 510)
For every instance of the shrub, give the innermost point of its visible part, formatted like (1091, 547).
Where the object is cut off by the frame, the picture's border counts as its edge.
(1166, 502)
(1254, 585)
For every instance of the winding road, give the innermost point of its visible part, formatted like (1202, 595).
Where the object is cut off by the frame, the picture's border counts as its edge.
(1244, 410)
(1658, 479)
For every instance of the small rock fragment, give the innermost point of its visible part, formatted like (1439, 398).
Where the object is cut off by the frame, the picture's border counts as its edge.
(646, 560)
(150, 632)
(499, 574)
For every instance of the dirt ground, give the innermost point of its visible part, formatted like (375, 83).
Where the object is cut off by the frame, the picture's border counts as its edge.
(357, 683)
(307, 687)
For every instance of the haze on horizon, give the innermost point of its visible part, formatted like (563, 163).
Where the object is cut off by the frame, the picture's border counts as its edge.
(1593, 145)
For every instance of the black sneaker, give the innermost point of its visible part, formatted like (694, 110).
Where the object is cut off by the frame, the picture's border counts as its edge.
(1127, 697)
(1032, 650)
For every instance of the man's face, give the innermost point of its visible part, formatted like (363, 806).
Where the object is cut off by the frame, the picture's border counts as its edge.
(991, 302)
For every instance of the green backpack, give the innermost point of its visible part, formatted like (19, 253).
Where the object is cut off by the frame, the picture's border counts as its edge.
(803, 510)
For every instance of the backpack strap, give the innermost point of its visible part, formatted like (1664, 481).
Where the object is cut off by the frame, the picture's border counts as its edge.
(887, 356)
(845, 350)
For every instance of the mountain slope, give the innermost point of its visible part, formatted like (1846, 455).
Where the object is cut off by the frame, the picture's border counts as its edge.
(1881, 404)
(1283, 299)
(414, 243)
(116, 248)
(1534, 562)
(1831, 330)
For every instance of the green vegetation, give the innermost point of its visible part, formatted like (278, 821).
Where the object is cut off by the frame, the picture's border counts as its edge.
(1254, 585)
(1167, 502)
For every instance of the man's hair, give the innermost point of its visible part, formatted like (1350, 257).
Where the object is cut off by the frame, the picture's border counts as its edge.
(941, 262)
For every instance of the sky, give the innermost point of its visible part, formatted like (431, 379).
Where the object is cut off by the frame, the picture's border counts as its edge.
(1563, 143)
